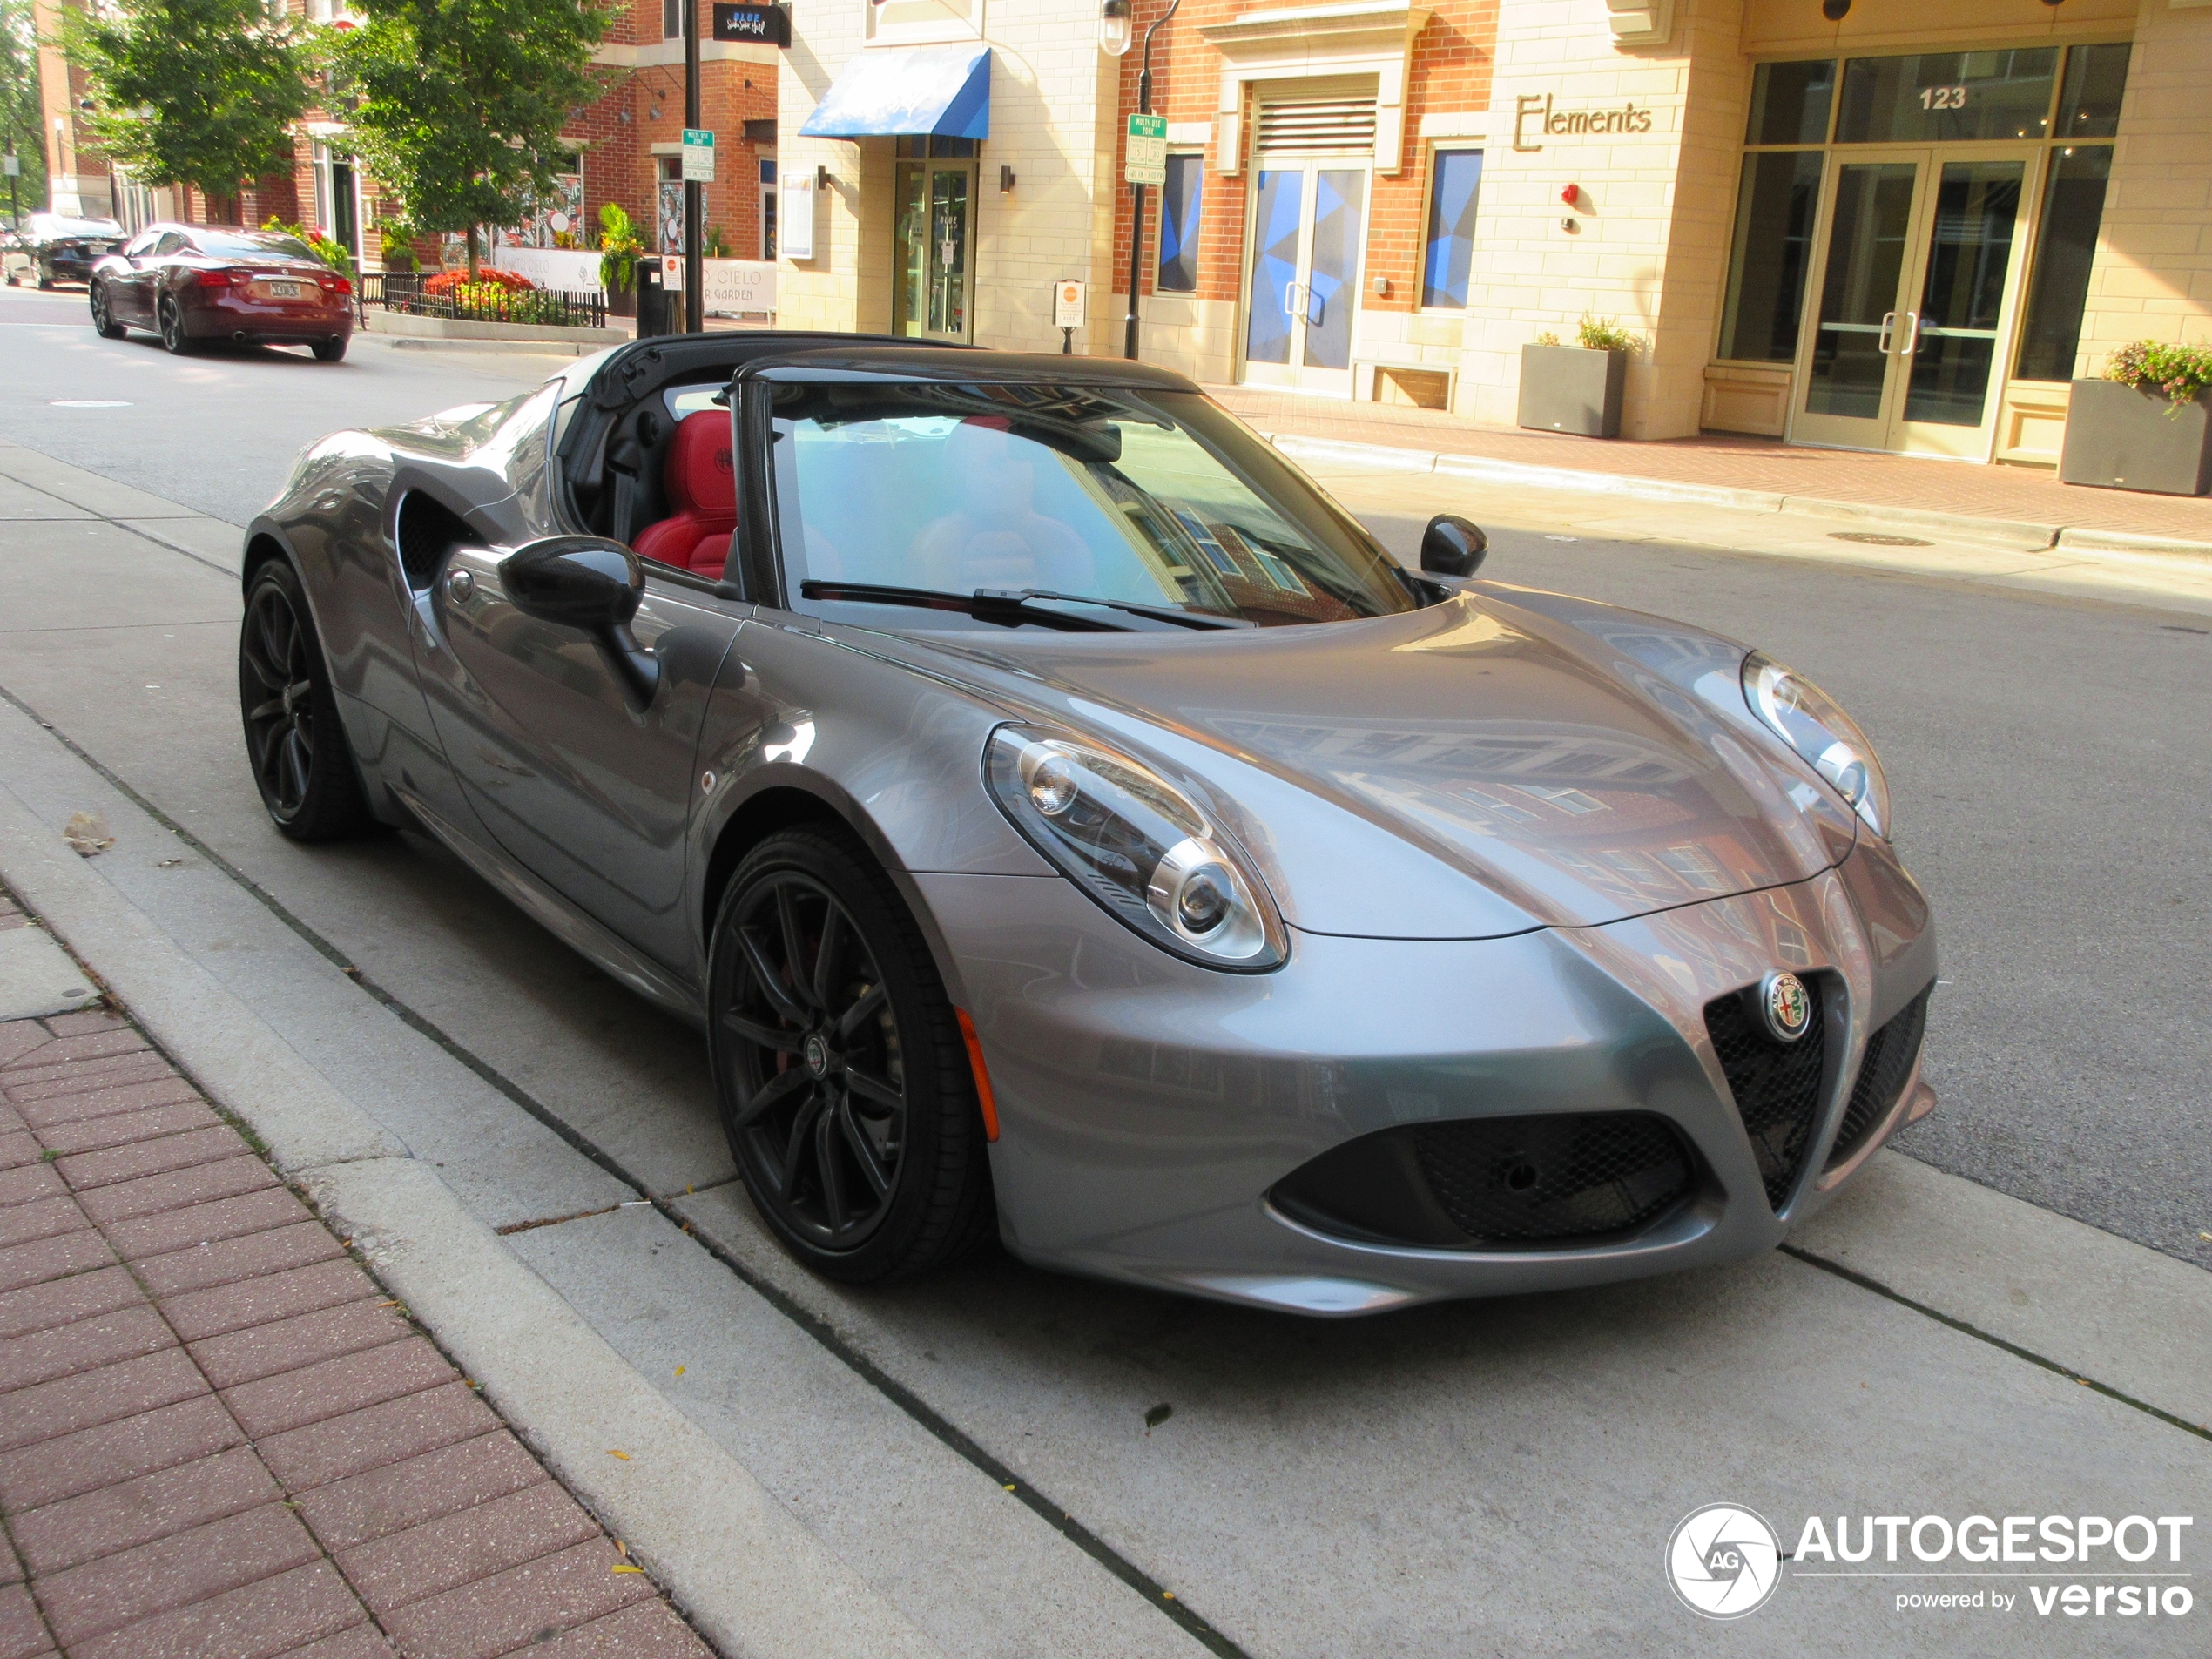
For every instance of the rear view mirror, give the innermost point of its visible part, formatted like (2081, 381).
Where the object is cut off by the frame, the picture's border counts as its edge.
(587, 583)
(1452, 546)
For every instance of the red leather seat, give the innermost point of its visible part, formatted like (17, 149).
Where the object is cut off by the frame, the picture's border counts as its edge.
(702, 485)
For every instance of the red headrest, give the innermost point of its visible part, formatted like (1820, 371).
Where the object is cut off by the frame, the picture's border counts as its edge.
(701, 474)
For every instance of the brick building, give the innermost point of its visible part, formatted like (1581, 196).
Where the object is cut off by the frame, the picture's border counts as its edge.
(626, 143)
(1873, 224)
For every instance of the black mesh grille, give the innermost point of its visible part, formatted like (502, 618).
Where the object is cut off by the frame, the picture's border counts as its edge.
(1549, 1178)
(1890, 1054)
(1776, 1084)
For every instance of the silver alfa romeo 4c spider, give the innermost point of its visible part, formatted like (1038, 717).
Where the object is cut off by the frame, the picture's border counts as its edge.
(1063, 820)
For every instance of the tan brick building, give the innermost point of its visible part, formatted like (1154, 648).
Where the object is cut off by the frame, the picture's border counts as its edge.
(1885, 224)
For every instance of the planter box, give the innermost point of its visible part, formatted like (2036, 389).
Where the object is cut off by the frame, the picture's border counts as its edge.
(2118, 437)
(1565, 388)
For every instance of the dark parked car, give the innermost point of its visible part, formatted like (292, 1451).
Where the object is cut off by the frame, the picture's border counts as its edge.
(54, 247)
(190, 283)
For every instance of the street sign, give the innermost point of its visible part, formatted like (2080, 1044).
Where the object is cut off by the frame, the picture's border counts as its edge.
(698, 156)
(1067, 305)
(762, 25)
(672, 272)
(1146, 162)
(13, 169)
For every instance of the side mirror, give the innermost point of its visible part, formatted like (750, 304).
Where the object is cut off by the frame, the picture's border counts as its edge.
(586, 582)
(1451, 546)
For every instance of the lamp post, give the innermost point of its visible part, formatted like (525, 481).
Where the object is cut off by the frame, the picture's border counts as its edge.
(694, 191)
(1115, 25)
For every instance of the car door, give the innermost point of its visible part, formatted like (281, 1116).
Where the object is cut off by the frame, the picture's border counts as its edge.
(127, 288)
(574, 776)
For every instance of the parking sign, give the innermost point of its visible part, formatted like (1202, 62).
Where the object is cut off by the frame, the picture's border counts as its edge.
(1146, 162)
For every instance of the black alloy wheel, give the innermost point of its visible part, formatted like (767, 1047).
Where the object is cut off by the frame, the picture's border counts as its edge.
(173, 337)
(293, 739)
(103, 321)
(840, 1066)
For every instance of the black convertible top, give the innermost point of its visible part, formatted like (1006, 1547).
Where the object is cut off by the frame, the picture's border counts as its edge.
(862, 359)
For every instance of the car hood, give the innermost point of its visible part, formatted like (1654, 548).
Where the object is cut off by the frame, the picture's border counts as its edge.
(1472, 769)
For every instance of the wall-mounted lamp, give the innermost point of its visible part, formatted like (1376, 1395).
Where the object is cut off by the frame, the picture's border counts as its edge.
(1006, 181)
(1834, 10)
(822, 179)
(1116, 27)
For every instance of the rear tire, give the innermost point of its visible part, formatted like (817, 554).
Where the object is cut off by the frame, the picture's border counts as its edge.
(330, 351)
(174, 339)
(103, 321)
(294, 741)
(839, 1067)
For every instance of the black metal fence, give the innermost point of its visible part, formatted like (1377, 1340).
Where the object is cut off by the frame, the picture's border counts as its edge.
(405, 292)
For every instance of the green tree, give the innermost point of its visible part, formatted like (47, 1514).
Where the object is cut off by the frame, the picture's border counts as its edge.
(21, 123)
(198, 92)
(461, 102)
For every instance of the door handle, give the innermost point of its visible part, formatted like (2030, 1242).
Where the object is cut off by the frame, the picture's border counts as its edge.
(1889, 326)
(1913, 333)
(1289, 300)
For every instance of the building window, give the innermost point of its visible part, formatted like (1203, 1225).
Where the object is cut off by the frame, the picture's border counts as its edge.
(671, 19)
(1789, 103)
(1945, 97)
(767, 207)
(2065, 243)
(1454, 177)
(1182, 199)
(1766, 279)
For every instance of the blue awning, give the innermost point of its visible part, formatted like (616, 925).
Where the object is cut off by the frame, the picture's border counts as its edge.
(906, 91)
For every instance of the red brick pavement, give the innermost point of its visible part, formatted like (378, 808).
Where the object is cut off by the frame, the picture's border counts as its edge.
(1736, 462)
(218, 1438)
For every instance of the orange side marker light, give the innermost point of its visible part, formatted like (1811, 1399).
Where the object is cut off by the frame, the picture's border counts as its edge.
(983, 1074)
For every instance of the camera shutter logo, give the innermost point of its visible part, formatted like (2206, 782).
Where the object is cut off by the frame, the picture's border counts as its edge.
(1724, 1561)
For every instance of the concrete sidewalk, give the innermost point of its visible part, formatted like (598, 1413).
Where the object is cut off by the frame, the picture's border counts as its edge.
(218, 1434)
(1903, 494)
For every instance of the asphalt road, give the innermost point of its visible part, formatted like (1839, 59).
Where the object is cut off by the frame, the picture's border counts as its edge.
(1465, 1479)
(2051, 758)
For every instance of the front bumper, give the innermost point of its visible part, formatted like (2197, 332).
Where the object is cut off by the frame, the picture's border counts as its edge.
(1148, 1109)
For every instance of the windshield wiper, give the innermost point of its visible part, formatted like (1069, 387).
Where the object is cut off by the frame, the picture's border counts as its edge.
(1157, 613)
(1011, 606)
(1008, 610)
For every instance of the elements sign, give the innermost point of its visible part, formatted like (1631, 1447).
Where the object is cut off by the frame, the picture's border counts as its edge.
(698, 156)
(1536, 110)
(762, 25)
(1147, 161)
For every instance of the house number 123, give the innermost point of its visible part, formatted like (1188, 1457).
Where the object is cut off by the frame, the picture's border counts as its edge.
(1943, 98)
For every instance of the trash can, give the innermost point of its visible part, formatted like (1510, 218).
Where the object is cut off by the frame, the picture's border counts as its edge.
(659, 310)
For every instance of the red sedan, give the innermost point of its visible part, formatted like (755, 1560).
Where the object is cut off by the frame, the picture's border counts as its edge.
(190, 283)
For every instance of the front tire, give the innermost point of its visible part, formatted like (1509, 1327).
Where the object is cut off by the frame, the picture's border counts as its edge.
(294, 741)
(174, 339)
(840, 1068)
(104, 321)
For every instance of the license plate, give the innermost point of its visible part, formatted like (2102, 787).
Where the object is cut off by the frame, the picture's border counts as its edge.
(281, 290)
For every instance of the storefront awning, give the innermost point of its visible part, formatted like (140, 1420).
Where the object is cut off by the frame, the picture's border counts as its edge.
(907, 91)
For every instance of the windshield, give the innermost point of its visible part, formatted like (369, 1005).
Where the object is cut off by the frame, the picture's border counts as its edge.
(232, 244)
(1153, 498)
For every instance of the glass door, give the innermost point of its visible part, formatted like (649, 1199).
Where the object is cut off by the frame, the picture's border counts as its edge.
(931, 259)
(1309, 223)
(1917, 281)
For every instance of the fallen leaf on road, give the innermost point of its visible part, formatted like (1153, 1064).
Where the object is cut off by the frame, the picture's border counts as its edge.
(624, 1456)
(1158, 1415)
(625, 1568)
(167, 864)
(679, 1371)
(87, 834)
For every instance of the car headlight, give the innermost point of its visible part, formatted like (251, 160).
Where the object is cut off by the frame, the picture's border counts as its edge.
(1814, 725)
(1137, 845)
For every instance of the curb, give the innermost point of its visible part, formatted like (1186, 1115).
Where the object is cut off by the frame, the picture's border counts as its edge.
(496, 347)
(1969, 527)
(739, 1564)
